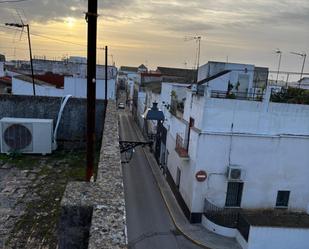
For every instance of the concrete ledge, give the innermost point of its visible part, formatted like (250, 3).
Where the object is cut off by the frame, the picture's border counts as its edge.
(93, 214)
(221, 230)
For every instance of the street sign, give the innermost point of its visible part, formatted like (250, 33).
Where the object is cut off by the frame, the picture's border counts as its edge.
(201, 176)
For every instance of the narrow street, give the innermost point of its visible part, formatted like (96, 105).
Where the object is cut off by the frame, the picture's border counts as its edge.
(148, 221)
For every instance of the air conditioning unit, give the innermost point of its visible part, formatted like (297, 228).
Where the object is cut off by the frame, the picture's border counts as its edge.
(234, 173)
(25, 135)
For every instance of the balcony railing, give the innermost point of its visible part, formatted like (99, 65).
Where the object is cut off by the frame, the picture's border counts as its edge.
(227, 217)
(237, 95)
(180, 147)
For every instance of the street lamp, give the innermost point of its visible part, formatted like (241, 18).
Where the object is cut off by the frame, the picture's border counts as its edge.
(22, 25)
(278, 51)
(303, 55)
(154, 113)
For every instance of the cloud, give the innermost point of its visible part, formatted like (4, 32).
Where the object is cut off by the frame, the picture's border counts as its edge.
(50, 10)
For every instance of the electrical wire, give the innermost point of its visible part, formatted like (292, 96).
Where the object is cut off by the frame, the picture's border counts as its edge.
(46, 37)
(13, 1)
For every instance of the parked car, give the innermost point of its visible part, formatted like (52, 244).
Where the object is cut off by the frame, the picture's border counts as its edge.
(121, 106)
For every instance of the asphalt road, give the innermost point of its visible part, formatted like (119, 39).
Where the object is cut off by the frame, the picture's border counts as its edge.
(148, 222)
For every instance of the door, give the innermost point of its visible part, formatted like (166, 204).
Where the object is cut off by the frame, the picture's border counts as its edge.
(234, 194)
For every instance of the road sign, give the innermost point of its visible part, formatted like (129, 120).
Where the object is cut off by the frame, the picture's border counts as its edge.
(201, 176)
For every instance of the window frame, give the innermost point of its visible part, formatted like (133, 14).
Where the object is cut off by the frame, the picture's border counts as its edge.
(286, 199)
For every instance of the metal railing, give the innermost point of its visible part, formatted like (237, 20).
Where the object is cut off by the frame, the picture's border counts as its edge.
(227, 217)
(290, 95)
(254, 96)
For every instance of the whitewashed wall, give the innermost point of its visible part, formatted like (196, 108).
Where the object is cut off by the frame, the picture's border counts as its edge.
(174, 161)
(270, 142)
(278, 238)
(20, 87)
(212, 68)
(78, 88)
(270, 164)
(254, 117)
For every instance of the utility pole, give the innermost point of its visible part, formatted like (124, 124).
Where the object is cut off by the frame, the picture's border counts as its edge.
(278, 51)
(22, 26)
(91, 18)
(106, 73)
(303, 55)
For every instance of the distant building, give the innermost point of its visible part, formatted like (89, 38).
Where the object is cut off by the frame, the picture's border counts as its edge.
(245, 79)
(75, 66)
(57, 85)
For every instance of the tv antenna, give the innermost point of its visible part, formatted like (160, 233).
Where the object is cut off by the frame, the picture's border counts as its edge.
(279, 52)
(197, 39)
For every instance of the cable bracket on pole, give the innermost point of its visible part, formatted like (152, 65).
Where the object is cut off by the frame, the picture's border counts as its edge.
(87, 14)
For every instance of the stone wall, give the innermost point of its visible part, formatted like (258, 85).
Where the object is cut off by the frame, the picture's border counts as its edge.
(103, 199)
(72, 127)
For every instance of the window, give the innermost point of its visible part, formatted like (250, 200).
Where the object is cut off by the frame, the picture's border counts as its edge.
(234, 194)
(283, 199)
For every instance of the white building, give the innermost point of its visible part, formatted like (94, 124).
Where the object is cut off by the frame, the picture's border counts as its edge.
(77, 87)
(244, 79)
(22, 85)
(73, 66)
(254, 154)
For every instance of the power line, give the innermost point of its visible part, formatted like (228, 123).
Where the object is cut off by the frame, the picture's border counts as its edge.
(49, 38)
(13, 1)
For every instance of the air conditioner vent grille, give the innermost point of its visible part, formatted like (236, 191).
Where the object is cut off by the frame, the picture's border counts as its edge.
(17, 136)
(235, 174)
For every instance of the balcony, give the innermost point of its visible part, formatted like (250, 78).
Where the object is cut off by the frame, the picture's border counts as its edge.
(180, 147)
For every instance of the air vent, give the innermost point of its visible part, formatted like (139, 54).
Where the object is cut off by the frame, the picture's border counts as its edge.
(26, 135)
(17, 137)
(234, 173)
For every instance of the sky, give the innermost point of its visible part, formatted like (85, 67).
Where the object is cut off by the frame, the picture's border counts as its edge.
(153, 32)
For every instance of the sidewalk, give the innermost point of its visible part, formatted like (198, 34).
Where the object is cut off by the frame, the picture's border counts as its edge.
(196, 233)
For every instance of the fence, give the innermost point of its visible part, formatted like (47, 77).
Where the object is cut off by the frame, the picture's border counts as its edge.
(227, 217)
(255, 96)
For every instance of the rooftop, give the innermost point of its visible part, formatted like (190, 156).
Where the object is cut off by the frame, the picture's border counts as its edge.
(128, 69)
(51, 80)
(188, 74)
